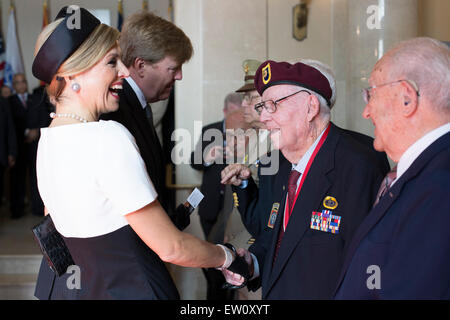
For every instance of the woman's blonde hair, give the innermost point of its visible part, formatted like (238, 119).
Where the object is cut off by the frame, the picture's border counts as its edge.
(90, 52)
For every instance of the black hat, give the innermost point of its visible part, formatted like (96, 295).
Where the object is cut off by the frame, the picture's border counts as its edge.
(64, 41)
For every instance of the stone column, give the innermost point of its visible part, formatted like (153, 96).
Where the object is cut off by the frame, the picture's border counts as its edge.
(365, 30)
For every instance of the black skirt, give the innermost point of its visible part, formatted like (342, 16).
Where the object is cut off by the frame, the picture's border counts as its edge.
(117, 265)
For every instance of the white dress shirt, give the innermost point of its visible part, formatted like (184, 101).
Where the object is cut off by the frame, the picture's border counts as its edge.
(414, 151)
(137, 91)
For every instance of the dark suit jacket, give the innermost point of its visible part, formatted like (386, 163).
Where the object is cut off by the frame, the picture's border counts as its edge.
(24, 118)
(133, 117)
(405, 236)
(308, 262)
(211, 187)
(8, 142)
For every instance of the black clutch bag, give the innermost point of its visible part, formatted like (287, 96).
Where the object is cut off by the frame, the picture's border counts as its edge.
(52, 246)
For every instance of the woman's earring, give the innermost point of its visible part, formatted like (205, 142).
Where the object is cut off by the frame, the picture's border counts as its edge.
(76, 87)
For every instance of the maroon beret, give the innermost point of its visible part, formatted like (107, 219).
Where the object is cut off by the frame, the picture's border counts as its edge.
(271, 73)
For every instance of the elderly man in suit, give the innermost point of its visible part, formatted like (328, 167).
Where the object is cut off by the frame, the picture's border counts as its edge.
(210, 157)
(402, 249)
(326, 183)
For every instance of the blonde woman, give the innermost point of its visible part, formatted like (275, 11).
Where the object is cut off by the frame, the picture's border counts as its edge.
(93, 181)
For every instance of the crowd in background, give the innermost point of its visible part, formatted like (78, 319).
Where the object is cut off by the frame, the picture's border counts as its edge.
(22, 114)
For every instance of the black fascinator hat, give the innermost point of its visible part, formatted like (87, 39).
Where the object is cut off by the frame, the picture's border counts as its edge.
(68, 36)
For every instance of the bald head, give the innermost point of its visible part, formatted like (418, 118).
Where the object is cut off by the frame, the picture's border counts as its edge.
(426, 62)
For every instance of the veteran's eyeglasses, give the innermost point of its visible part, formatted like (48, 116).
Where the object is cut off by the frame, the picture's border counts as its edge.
(366, 91)
(271, 106)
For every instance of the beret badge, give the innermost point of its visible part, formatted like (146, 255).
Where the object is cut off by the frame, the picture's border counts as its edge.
(266, 74)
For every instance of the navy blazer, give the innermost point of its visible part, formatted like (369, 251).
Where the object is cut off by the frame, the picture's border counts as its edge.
(405, 240)
(309, 261)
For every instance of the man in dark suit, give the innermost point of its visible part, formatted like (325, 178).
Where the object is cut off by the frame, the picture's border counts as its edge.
(8, 142)
(325, 185)
(209, 157)
(402, 249)
(154, 68)
(155, 63)
(27, 117)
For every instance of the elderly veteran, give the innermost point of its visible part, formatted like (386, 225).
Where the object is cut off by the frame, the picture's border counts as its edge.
(402, 250)
(93, 180)
(326, 183)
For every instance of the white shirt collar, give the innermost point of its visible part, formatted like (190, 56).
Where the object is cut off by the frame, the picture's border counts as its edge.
(137, 91)
(414, 151)
(301, 165)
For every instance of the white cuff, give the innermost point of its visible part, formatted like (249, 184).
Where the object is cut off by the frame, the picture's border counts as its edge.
(255, 267)
(228, 257)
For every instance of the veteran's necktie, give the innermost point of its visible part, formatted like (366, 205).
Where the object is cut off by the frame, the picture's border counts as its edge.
(292, 189)
(386, 184)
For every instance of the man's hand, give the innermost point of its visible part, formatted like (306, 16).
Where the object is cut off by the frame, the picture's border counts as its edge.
(235, 279)
(234, 174)
(11, 161)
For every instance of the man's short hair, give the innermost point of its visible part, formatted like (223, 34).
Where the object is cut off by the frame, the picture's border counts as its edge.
(233, 98)
(152, 38)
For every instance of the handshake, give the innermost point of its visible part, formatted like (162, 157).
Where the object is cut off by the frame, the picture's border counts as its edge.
(240, 270)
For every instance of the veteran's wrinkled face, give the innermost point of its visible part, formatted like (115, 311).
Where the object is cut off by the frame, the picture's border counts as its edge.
(384, 110)
(288, 125)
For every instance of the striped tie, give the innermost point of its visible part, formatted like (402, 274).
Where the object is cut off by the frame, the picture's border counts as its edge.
(386, 184)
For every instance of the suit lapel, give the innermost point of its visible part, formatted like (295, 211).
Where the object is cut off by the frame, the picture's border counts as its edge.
(140, 118)
(314, 189)
(386, 201)
(279, 184)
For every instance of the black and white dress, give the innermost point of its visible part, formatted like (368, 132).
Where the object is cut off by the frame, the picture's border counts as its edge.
(90, 176)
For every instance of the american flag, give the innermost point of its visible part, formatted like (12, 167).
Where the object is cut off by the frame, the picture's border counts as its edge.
(13, 58)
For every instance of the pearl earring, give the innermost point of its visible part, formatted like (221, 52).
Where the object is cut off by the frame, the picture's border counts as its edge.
(76, 87)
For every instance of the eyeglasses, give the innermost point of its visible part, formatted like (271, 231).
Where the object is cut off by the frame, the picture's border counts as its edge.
(366, 91)
(271, 106)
